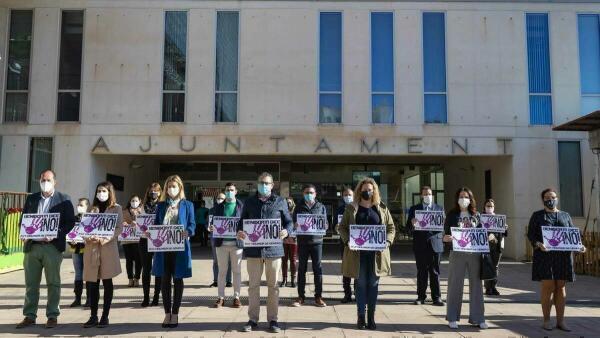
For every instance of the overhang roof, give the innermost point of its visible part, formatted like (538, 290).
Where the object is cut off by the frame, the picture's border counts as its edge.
(589, 122)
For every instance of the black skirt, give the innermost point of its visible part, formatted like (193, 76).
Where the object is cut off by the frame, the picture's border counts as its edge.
(554, 265)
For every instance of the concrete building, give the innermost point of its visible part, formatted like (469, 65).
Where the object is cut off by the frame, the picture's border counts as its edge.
(441, 93)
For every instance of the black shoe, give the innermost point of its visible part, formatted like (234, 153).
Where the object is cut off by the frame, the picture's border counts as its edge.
(495, 292)
(419, 301)
(155, 300)
(76, 303)
(103, 322)
(145, 302)
(293, 284)
(228, 285)
(371, 320)
(213, 285)
(438, 302)
(360, 322)
(92, 322)
(283, 283)
(488, 292)
(87, 303)
(347, 299)
(274, 327)
(250, 325)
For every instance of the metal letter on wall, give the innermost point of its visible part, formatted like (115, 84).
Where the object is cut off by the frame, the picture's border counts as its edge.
(464, 148)
(323, 145)
(184, 148)
(100, 144)
(147, 149)
(237, 146)
(277, 138)
(374, 146)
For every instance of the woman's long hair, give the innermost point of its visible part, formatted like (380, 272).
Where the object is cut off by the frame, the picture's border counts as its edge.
(472, 208)
(112, 198)
(375, 199)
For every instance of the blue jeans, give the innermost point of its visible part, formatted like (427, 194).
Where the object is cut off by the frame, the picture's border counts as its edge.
(367, 283)
(78, 265)
(215, 265)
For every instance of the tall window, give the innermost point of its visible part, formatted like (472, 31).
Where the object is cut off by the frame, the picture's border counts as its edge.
(569, 177)
(69, 77)
(589, 61)
(330, 67)
(40, 158)
(538, 61)
(17, 74)
(226, 77)
(175, 49)
(434, 67)
(382, 67)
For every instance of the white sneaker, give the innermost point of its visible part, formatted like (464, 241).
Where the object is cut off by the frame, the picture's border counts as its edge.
(453, 325)
(483, 325)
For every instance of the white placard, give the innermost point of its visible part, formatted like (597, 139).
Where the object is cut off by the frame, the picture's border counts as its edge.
(224, 227)
(470, 240)
(262, 232)
(164, 238)
(429, 220)
(340, 216)
(74, 236)
(493, 223)
(99, 225)
(313, 225)
(562, 238)
(130, 234)
(143, 221)
(39, 226)
(368, 237)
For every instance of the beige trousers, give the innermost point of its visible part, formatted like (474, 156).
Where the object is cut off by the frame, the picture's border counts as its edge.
(271, 267)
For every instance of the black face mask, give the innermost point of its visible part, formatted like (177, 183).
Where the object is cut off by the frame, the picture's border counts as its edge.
(366, 195)
(551, 204)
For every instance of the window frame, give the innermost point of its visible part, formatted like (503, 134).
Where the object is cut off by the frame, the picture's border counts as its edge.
(318, 67)
(80, 90)
(162, 73)
(425, 93)
(239, 50)
(393, 92)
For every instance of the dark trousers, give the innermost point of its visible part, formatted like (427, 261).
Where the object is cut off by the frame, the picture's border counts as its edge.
(346, 281)
(367, 284)
(133, 262)
(168, 274)
(290, 254)
(146, 258)
(203, 234)
(314, 252)
(496, 253)
(94, 293)
(428, 267)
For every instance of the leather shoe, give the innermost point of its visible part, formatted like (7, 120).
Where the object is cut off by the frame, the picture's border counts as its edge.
(438, 302)
(419, 302)
(25, 323)
(51, 323)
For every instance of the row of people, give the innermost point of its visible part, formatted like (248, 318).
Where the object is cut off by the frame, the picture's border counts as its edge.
(363, 206)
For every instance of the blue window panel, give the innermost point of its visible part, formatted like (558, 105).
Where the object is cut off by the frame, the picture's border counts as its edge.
(589, 53)
(382, 52)
(330, 52)
(383, 108)
(540, 109)
(589, 104)
(538, 55)
(435, 108)
(569, 177)
(227, 51)
(434, 52)
(330, 108)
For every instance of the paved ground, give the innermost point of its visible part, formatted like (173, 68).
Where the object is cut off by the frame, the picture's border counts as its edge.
(516, 313)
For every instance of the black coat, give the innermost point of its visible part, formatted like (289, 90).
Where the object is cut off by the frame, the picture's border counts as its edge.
(422, 238)
(59, 203)
(219, 210)
(317, 209)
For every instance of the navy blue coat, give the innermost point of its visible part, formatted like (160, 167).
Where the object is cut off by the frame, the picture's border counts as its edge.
(183, 259)
(59, 203)
(274, 207)
(219, 210)
(422, 238)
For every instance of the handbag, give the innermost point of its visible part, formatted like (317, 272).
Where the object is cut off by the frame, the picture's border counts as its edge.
(488, 270)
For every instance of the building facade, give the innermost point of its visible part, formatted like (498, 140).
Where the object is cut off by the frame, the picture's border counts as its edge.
(440, 93)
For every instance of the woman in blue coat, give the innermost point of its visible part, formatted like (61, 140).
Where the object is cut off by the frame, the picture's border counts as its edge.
(174, 209)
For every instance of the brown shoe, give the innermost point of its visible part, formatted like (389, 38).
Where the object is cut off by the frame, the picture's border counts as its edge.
(236, 303)
(25, 323)
(219, 303)
(51, 323)
(298, 302)
(319, 302)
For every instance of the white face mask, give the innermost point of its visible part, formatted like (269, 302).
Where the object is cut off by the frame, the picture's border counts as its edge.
(173, 192)
(464, 202)
(428, 199)
(46, 186)
(102, 196)
(489, 210)
(348, 199)
(135, 204)
(81, 209)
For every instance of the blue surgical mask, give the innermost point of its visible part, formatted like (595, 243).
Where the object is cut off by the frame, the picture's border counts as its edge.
(229, 195)
(264, 189)
(309, 197)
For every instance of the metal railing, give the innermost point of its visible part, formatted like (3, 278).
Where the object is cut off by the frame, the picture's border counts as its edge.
(11, 208)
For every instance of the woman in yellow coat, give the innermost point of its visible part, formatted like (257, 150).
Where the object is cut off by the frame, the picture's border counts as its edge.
(366, 266)
(101, 256)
